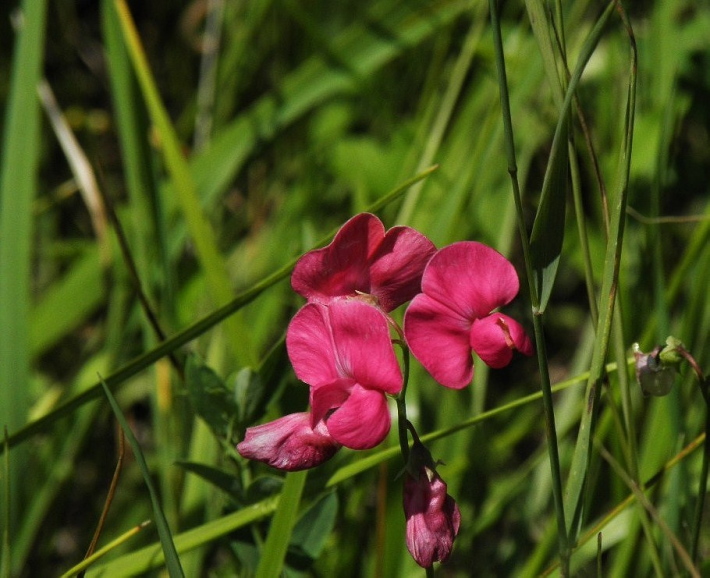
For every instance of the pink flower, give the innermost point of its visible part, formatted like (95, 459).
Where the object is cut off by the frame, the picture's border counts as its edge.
(344, 352)
(462, 285)
(363, 259)
(290, 443)
(433, 518)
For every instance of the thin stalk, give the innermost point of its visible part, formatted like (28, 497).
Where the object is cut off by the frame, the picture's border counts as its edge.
(645, 502)
(402, 406)
(109, 499)
(550, 428)
(621, 506)
(702, 489)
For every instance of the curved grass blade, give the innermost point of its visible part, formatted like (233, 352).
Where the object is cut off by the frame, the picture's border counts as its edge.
(172, 561)
(84, 564)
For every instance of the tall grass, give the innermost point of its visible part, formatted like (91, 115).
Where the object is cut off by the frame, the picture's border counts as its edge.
(225, 146)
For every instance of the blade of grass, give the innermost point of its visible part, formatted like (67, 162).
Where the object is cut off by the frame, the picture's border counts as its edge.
(172, 561)
(183, 184)
(644, 501)
(582, 453)
(87, 562)
(545, 386)
(132, 130)
(79, 163)
(5, 551)
(274, 551)
(19, 162)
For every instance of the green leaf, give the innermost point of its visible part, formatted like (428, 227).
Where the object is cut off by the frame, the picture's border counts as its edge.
(249, 395)
(315, 525)
(210, 397)
(228, 482)
(549, 226)
(548, 230)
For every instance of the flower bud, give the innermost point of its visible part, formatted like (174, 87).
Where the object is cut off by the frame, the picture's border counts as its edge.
(433, 518)
(653, 373)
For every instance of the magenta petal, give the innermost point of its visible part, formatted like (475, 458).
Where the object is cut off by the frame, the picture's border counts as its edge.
(310, 346)
(494, 338)
(289, 443)
(471, 278)
(433, 518)
(341, 268)
(362, 422)
(397, 266)
(363, 345)
(439, 338)
(329, 396)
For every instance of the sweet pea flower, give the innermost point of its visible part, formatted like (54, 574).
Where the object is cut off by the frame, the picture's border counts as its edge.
(293, 442)
(433, 518)
(344, 352)
(462, 285)
(363, 259)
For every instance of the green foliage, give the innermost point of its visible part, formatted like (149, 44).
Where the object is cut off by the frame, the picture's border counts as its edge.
(229, 145)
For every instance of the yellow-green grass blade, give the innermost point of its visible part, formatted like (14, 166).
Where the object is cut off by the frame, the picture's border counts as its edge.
(201, 232)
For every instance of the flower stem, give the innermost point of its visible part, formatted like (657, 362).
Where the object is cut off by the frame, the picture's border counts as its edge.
(402, 406)
(550, 428)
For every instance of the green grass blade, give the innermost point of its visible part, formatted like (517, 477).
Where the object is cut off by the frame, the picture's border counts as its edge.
(201, 232)
(610, 279)
(172, 561)
(18, 184)
(5, 478)
(67, 303)
(548, 229)
(145, 559)
(132, 131)
(274, 551)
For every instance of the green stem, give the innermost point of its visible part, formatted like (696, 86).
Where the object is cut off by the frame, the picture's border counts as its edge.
(702, 486)
(402, 406)
(550, 428)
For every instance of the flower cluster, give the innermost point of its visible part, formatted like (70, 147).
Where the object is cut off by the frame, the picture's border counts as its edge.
(339, 344)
